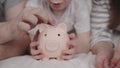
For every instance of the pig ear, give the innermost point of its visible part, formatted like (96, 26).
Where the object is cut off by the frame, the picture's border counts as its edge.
(42, 27)
(62, 26)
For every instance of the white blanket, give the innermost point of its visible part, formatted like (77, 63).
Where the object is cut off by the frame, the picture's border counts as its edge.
(80, 61)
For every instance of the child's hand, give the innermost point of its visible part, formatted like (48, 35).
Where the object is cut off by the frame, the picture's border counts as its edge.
(37, 54)
(70, 52)
(103, 59)
(115, 62)
(104, 53)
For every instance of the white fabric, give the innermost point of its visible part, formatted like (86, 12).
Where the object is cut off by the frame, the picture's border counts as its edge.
(80, 61)
(77, 15)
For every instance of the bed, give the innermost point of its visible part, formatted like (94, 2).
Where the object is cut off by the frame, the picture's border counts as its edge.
(26, 61)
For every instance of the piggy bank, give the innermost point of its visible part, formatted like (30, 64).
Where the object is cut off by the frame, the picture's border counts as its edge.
(53, 40)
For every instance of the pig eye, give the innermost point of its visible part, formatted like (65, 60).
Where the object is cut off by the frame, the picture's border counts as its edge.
(58, 34)
(45, 34)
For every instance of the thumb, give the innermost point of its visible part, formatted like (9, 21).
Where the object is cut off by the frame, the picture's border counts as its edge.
(24, 26)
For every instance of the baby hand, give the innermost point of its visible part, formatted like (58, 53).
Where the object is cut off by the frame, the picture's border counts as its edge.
(115, 62)
(70, 52)
(35, 52)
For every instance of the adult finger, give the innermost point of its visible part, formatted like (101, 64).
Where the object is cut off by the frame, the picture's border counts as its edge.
(43, 16)
(24, 26)
(69, 52)
(30, 19)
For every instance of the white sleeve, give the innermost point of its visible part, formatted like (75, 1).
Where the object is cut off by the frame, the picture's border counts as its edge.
(34, 3)
(82, 17)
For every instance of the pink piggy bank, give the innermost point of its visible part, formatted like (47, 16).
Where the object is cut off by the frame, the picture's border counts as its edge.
(53, 40)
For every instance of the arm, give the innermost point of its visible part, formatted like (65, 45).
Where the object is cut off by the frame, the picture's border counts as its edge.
(25, 18)
(18, 23)
(99, 23)
(5, 33)
(101, 37)
(12, 11)
(12, 41)
(83, 42)
(29, 13)
(10, 44)
(82, 27)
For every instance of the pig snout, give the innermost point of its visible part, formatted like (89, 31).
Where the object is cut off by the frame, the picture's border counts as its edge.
(52, 46)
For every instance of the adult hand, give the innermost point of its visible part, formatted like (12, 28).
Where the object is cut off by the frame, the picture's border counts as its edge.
(30, 17)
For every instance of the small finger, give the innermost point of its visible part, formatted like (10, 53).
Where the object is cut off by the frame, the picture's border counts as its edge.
(72, 36)
(67, 57)
(34, 52)
(34, 44)
(38, 57)
(71, 44)
(69, 52)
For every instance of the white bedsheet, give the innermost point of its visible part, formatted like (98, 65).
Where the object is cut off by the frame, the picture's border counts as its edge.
(80, 61)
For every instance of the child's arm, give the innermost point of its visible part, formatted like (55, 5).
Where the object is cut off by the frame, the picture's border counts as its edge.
(82, 26)
(83, 42)
(101, 41)
(12, 42)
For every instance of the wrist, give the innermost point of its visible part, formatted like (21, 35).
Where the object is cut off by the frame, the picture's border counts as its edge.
(102, 47)
(5, 33)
